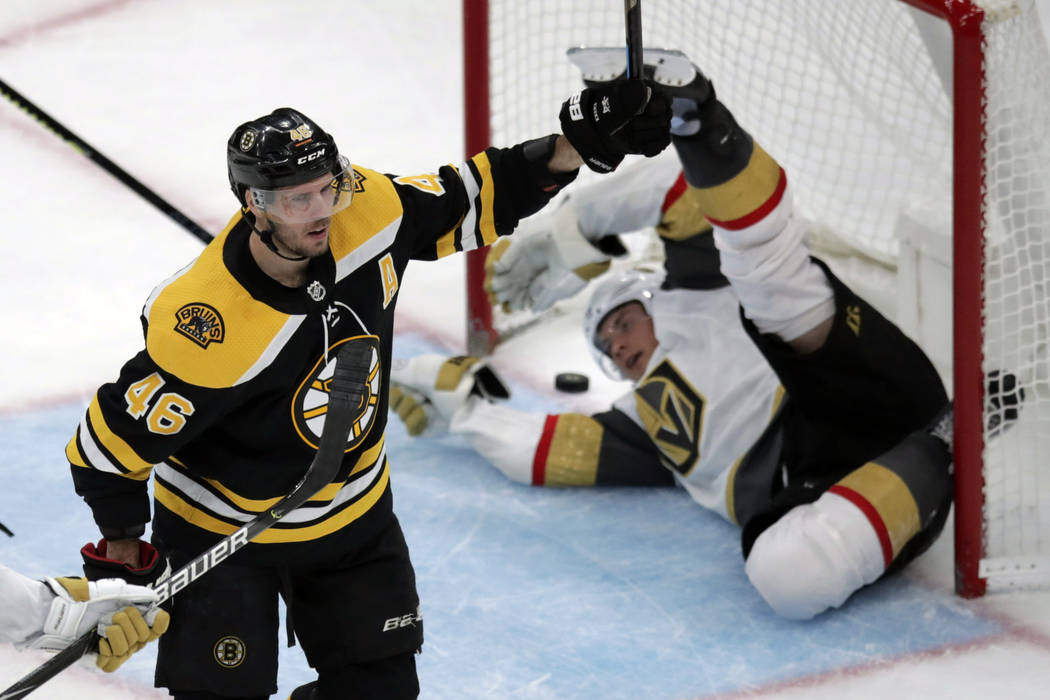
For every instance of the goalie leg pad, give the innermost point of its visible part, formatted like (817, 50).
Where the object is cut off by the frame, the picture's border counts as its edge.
(815, 557)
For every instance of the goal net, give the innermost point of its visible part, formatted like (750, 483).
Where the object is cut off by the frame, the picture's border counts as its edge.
(913, 133)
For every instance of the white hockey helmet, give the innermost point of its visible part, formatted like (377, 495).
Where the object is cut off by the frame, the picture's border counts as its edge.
(613, 291)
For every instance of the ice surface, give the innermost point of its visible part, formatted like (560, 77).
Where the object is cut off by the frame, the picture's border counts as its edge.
(527, 593)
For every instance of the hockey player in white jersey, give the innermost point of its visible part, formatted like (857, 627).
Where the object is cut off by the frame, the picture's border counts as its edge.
(763, 385)
(50, 614)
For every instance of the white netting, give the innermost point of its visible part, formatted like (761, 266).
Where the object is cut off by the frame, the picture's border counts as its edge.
(847, 100)
(1017, 305)
(853, 97)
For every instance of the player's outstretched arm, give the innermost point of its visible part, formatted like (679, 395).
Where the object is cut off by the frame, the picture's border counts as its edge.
(538, 449)
(548, 259)
(551, 257)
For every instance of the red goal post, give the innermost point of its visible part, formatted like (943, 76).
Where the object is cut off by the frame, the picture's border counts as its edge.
(894, 146)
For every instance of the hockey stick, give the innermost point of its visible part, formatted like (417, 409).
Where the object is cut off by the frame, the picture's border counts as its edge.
(345, 397)
(632, 10)
(3, 529)
(84, 148)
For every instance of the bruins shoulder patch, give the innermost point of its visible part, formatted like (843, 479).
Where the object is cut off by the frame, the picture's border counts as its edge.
(672, 412)
(200, 323)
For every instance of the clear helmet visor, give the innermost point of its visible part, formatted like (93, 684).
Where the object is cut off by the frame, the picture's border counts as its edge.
(310, 201)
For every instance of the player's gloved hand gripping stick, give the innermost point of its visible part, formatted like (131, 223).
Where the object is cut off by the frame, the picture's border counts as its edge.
(344, 402)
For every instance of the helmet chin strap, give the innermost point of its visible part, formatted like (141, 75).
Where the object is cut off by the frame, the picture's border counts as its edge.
(267, 237)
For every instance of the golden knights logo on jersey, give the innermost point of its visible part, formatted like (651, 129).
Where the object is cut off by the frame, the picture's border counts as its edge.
(310, 403)
(672, 412)
(200, 323)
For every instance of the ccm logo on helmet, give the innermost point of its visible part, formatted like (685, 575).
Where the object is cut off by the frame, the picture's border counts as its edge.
(312, 156)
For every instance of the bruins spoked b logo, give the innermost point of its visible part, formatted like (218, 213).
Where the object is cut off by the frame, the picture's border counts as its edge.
(248, 139)
(310, 403)
(229, 652)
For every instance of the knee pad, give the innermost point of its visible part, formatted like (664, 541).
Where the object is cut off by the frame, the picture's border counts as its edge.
(815, 557)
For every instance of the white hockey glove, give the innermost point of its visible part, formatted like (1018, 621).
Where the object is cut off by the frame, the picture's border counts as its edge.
(427, 390)
(122, 614)
(546, 260)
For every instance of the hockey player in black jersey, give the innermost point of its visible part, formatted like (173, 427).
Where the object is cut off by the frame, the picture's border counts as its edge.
(224, 405)
(763, 385)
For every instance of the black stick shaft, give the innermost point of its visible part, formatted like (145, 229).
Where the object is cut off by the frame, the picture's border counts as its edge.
(86, 149)
(3, 529)
(633, 22)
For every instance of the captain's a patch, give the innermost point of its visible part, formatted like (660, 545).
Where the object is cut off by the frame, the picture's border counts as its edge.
(200, 323)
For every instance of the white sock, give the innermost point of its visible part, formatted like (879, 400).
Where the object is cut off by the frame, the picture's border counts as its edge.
(781, 290)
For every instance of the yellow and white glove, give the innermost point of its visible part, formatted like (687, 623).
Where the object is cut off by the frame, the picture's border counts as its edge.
(123, 614)
(547, 259)
(427, 390)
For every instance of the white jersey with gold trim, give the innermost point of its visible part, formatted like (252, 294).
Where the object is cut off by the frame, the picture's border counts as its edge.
(707, 393)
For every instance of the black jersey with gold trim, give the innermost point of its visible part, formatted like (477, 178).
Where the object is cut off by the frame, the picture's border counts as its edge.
(226, 401)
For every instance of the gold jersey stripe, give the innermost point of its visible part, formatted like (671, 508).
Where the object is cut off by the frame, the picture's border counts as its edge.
(205, 521)
(113, 443)
(743, 194)
(367, 459)
(73, 454)
(890, 497)
(731, 490)
(572, 459)
(487, 223)
(682, 219)
(446, 243)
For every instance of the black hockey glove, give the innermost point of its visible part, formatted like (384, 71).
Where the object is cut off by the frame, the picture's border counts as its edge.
(605, 122)
(152, 568)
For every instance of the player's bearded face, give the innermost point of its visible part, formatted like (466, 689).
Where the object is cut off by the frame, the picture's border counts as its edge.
(309, 240)
(628, 338)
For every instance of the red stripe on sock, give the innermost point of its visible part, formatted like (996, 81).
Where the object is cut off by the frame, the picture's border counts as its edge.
(674, 194)
(872, 514)
(539, 459)
(758, 214)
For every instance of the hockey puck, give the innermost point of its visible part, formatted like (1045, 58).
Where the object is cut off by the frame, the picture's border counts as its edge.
(571, 382)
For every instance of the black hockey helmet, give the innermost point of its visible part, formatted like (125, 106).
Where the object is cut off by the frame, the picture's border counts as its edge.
(280, 149)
